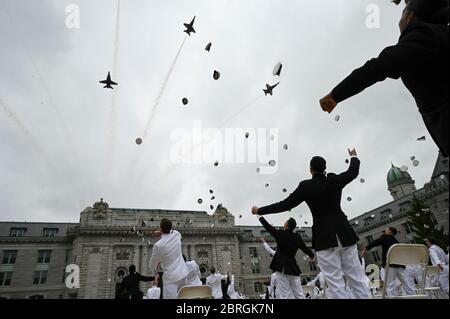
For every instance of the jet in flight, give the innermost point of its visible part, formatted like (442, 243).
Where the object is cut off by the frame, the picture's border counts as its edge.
(270, 88)
(108, 82)
(190, 27)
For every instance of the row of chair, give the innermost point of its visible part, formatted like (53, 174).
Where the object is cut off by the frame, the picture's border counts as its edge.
(399, 254)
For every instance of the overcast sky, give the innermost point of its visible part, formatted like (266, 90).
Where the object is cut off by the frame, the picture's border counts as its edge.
(67, 141)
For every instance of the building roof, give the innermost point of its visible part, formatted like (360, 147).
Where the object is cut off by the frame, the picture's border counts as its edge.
(397, 177)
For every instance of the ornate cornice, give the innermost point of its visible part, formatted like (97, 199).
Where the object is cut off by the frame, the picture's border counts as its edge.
(42, 240)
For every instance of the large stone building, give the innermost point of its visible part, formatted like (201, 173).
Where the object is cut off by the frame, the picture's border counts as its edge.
(103, 245)
(34, 256)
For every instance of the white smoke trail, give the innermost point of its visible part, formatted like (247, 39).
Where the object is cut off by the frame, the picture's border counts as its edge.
(33, 142)
(172, 167)
(112, 128)
(161, 92)
(134, 165)
(14, 118)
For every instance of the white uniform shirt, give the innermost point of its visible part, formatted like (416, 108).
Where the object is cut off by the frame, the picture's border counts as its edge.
(167, 250)
(438, 256)
(154, 293)
(193, 277)
(215, 282)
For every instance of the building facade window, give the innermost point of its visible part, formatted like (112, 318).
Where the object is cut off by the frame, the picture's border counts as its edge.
(202, 254)
(50, 232)
(17, 232)
(36, 297)
(40, 277)
(367, 221)
(369, 239)
(405, 206)
(9, 257)
(312, 266)
(408, 227)
(384, 214)
(253, 252)
(44, 256)
(257, 287)
(255, 268)
(5, 278)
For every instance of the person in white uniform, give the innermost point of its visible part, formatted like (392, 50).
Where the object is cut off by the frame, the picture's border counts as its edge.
(167, 251)
(154, 292)
(193, 277)
(439, 259)
(273, 278)
(231, 290)
(214, 280)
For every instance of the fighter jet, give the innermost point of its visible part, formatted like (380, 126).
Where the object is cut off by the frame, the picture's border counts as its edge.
(108, 82)
(190, 27)
(270, 89)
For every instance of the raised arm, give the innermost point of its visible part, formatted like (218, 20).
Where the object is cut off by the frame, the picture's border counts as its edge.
(272, 230)
(269, 249)
(391, 63)
(145, 278)
(293, 200)
(350, 175)
(375, 243)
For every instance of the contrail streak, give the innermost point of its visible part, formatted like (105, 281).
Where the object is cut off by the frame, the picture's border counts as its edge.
(161, 92)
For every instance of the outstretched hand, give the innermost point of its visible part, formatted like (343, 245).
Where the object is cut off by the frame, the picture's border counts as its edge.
(363, 252)
(352, 152)
(328, 103)
(255, 210)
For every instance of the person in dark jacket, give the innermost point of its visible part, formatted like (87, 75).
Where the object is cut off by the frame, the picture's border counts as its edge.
(395, 271)
(130, 284)
(283, 262)
(333, 238)
(420, 59)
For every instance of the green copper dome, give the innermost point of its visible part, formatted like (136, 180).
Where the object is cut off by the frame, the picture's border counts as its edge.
(396, 177)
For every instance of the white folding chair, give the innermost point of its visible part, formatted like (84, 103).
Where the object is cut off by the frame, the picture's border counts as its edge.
(195, 292)
(406, 254)
(433, 291)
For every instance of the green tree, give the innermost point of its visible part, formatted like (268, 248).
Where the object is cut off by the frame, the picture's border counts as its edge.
(424, 224)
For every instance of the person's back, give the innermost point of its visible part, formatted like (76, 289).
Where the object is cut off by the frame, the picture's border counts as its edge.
(172, 257)
(288, 244)
(167, 251)
(193, 277)
(130, 283)
(215, 282)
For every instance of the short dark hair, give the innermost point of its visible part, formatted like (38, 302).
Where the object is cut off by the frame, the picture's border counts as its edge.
(212, 270)
(291, 223)
(393, 230)
(166, 225)
(132, 269)
(432, 240)
(432, 11)
(318, 164)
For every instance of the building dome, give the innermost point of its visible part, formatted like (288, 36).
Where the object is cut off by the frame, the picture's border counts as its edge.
(397, 177)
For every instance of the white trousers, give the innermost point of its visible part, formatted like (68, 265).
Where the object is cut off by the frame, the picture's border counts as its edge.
(289, 287)
(170, 291)
(337, 262)
(441, 281)
(405, 279)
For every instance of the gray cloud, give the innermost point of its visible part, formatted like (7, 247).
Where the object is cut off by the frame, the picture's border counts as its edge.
(46, 178)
